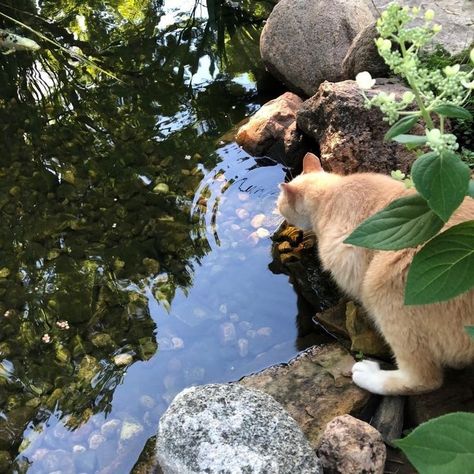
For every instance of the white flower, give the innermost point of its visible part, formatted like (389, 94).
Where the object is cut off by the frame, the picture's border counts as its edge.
(408, 97)
(364, 80)
(451, 70)
(46, 338)
(62, 324)
(468, 85)
(383, 44)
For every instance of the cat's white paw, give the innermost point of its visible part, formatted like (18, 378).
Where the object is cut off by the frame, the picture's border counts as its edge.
(367, 374)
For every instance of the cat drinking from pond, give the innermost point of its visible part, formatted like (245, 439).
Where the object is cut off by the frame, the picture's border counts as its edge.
(423, 338)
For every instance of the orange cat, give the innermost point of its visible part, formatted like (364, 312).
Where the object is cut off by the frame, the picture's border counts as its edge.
(423, 338)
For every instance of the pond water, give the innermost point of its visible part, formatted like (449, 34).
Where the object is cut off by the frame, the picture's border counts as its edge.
(135, 237)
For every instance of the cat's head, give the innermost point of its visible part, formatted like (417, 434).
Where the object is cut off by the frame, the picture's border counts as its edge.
(298, 200)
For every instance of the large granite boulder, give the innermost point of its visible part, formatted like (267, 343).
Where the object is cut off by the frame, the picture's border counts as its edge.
(314, 388)
(350, 445)
(229, 428)
(305, 41)
(272, 131)
(350, 136)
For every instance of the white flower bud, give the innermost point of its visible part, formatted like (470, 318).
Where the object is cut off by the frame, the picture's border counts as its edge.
(364, 80)
(429, 14)
(451, 70)
(437, 28)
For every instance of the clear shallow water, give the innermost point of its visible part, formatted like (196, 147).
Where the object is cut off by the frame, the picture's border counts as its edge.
(135, 239)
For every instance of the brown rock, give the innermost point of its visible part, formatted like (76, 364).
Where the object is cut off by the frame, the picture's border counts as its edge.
(364, 337)
(272, 131)
(456, 394)
(350, 136)
(333, 319)
(314, 387)
(349, 445)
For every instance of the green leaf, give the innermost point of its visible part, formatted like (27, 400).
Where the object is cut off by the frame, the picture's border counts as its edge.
(406, 222)
(410, 139)
(443, 268)
(470, 331)
(453, 111)
(443, 445)
(442, 180)
(402, 126)
(470, 190)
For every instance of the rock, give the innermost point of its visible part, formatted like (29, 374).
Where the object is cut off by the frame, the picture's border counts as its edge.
(228, 428)
(333, 319)
(456, 394)
(96, 440)
(363, 55)
(304, 41)
(227, 333)
(350, 136)
(349, 445)
(456, 18)
(363, 335)
(130, 430)
(121, 360)
(272, 131)
(314, 387)
(147, 462)
(388, 418)
(295, 254)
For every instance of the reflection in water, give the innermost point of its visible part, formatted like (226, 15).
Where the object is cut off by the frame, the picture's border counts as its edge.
(134, 250)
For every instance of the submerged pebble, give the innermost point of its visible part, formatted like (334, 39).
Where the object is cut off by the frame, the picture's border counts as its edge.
(243, 345)
(121, 360)
(242, 213)
(227, 333)
(130, 429)
(257, 221)
(109, 428)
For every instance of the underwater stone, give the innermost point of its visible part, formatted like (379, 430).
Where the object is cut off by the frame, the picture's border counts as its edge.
(58, 460)
(147, 402)
(257, 221)
(243, 345)
(130, 430)
(161, 188)
(228, 428)
(109, 428)
(88, 368)
(96, 440)
(5, 461)
(227, 333)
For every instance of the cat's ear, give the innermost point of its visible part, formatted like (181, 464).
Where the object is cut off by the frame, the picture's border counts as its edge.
(311, 163)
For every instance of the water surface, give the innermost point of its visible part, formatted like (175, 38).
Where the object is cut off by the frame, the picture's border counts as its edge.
(135, 236)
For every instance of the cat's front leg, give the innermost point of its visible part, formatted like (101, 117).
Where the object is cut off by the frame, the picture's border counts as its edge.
(368, 375)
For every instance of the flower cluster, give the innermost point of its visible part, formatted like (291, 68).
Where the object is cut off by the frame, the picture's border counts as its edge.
(399, 46)
(64, 325)
(441, 142)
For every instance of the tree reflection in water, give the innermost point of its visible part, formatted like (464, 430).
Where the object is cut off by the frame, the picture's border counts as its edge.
(97, 178)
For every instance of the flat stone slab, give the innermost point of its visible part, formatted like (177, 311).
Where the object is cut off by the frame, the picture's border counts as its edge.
(314, 388)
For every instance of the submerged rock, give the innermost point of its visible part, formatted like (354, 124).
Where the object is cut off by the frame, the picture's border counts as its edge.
(304, 42)
(229, 428)
(272, 131)
(314, 387)
(349, 445)
(350, 137)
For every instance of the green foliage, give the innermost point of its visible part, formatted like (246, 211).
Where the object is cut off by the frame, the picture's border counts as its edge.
(404, 125)
(406, 222)
(442, 269)
(470, 331)
(442, 179)
(444, 445)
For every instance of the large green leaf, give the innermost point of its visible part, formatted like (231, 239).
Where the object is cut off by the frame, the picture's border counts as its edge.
(443, 268)
(404, 125)
(443, 180)
(453, 111)
(444, 445)
(411, 139)
(406, 222)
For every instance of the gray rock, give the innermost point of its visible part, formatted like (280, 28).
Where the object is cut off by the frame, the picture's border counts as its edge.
(350, 136)
(58, 460)
(456, 18)
(363, 55)
(388, 418)
(350, 445)
(305, 41)
(314, 387)
(228, 428)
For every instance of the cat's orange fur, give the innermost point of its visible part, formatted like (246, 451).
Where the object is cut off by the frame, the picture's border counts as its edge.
(423, 338)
